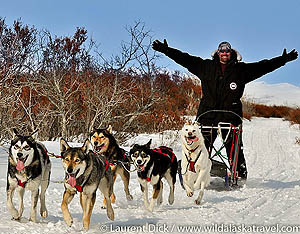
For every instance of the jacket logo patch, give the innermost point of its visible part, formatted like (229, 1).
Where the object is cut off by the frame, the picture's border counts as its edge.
(233, 86)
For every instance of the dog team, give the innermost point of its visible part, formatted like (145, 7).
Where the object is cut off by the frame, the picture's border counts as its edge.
(96, 164)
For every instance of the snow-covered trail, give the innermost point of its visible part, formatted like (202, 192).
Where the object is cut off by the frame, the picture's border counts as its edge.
(270, 197)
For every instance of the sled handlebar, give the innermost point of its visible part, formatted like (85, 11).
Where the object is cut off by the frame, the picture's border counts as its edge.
(220, 111)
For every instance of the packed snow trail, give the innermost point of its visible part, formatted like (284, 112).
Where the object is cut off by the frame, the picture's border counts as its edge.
(268, 203)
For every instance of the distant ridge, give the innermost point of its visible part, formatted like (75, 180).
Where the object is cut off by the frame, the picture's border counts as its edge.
(273, 94)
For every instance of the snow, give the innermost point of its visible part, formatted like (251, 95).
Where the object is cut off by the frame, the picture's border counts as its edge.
(268, 202)
(273, 94)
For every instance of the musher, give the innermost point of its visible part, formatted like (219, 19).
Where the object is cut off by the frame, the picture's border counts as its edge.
(223, 79)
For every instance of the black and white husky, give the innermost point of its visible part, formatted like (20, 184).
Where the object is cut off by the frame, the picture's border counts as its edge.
(152, 166)
(28, 168)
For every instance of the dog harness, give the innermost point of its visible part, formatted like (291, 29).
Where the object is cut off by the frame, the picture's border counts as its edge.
(159, 150)
(107, 163)
(149, 174)
(47, 156)
(22, 184)
(191, 163)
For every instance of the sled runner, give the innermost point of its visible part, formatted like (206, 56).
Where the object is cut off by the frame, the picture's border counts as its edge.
(224, 165)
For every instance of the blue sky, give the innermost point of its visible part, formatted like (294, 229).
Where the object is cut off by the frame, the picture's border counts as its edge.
(258, 29)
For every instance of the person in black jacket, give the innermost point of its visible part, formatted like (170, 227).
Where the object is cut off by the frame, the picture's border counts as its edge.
(223, 79)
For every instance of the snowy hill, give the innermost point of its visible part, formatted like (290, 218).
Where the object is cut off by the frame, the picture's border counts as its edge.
(269, 201)
(273, 94)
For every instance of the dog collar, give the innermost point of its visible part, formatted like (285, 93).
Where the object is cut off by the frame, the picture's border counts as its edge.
(193, 150)
(79, 188)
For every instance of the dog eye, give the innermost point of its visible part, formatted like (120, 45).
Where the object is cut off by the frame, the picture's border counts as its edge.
(16, 147)
(27, 147)
(77, 160)
(67, 159)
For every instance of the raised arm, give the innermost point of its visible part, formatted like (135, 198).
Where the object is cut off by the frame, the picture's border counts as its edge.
(192, 63)
(258, 69)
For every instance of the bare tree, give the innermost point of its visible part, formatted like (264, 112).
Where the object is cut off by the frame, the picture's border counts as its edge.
(59, 80)
(17, 47)
(136, 60)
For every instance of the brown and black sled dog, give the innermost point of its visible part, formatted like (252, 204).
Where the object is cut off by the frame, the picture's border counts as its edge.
(104, 143)
(84, 173)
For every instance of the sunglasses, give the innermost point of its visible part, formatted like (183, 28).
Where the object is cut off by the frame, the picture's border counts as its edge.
(224, 51)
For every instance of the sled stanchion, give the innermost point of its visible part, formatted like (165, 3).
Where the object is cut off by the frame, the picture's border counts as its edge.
(234, 175)
(226, 165)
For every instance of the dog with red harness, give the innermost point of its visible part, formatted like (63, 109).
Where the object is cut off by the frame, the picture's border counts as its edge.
(84, 173)
(29, 168)
(105, 144)
(153, 165)
(195, 163)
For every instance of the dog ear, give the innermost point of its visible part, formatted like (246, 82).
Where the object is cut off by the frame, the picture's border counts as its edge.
(148, 144)
(64, 145)
(109, 129)
(196, 124)
(86, 146)
(15, 133)
(188, 122)
(35, 134)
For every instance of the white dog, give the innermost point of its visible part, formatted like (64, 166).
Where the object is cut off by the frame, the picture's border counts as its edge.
(195, 162)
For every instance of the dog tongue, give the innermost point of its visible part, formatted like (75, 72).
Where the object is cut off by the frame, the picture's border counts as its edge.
(190, 140)
(20, 165)
(142, 168)
(72, 180)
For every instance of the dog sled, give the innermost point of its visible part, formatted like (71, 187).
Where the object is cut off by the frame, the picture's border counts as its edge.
(224, 165)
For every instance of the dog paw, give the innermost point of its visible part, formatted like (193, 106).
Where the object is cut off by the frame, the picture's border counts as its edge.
(69, 222)
(86, 225)
(197, 202)
(129, 197)
(190, 194)
(44, 213)
(15, 215)
(147, 205)
(16, 218)
(171, 201)
(159, 202)
(33, 219)
(150, 208)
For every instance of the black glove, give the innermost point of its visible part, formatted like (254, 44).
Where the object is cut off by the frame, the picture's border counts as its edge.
(159, 46)
(290, 56)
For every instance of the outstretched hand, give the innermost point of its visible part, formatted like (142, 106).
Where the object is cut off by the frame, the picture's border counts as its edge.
(159, 46)
(290, 56)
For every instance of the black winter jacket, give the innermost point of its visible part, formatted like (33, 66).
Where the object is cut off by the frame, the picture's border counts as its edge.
(223, 91)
